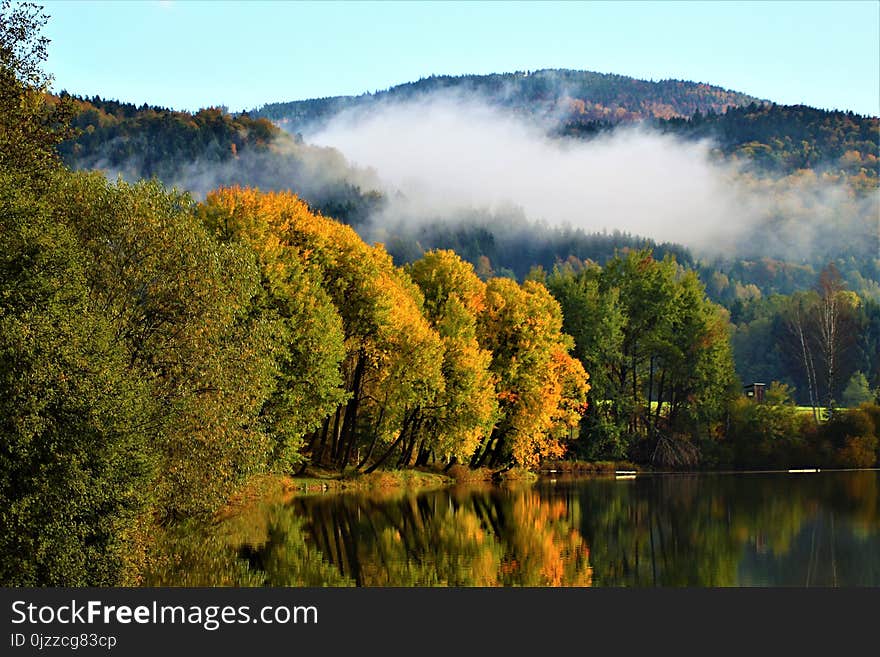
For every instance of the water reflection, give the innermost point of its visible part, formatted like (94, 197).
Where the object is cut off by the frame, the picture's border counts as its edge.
(684, 530)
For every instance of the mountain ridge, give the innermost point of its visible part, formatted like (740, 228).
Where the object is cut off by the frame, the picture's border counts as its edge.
(588, 94)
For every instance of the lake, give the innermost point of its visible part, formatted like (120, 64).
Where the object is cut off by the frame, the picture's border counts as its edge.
(744, 529)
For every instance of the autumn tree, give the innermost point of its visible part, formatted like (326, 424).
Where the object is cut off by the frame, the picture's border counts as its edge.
(392, 356)
(538, 385)
(463, 415)
(308, 339)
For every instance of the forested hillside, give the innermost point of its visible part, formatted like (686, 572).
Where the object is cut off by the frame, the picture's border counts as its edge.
(199, 151)
(784, 139)
(577, 95)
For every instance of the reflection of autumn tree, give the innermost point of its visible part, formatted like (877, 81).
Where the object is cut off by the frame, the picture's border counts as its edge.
(511, 538)
(543, 546)
(427, 540)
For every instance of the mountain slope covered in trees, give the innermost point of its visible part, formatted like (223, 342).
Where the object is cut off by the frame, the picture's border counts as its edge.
(786, 138)
(581, 95)
(199, 151)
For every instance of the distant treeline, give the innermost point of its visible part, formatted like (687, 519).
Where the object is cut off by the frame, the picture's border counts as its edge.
(579, 95)
(781, 139)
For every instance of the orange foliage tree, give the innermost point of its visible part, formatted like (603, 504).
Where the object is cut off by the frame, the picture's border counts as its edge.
(392, 356)
(541, 390)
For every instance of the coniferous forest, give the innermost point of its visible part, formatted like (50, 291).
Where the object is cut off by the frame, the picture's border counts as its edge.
(198, 318)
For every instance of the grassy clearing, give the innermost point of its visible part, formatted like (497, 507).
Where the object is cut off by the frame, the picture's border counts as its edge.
(823, 412)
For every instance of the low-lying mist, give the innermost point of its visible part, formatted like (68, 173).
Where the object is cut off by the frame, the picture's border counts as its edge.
(320, 175)
(441, 155)
(455, 171)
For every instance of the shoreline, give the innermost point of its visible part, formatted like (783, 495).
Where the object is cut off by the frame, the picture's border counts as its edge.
(283, 488)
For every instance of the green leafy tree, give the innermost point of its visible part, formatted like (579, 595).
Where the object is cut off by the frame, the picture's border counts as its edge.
(466, 411)
(857, 391)
(31, 124)
(76, 470)
(181, 304)
(658, 351)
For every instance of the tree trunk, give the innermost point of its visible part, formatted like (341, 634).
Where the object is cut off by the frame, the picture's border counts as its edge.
(369, 451)
(319, 455)
(496, 453)
(384, 456)
(406, 456)
(659, 398)
(633, 419)
(800, 334)
(422, 454)
(480, 458)
(351, 409)
(650, 394)
(334, 437)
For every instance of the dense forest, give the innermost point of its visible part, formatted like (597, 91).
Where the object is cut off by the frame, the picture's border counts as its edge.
(198, 152)
(210, 148)
(785, 139)
(158, 350)
(578, 95)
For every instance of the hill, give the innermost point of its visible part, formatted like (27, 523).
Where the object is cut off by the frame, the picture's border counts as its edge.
(203, 150)
(793, 155)
(566, 94)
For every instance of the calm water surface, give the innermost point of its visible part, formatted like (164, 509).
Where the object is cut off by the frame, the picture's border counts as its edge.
(768, 529)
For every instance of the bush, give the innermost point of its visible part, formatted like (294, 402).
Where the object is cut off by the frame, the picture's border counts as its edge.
(769, 434)
(849, 438)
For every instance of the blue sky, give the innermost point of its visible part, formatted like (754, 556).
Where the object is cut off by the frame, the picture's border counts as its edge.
(188, 55)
